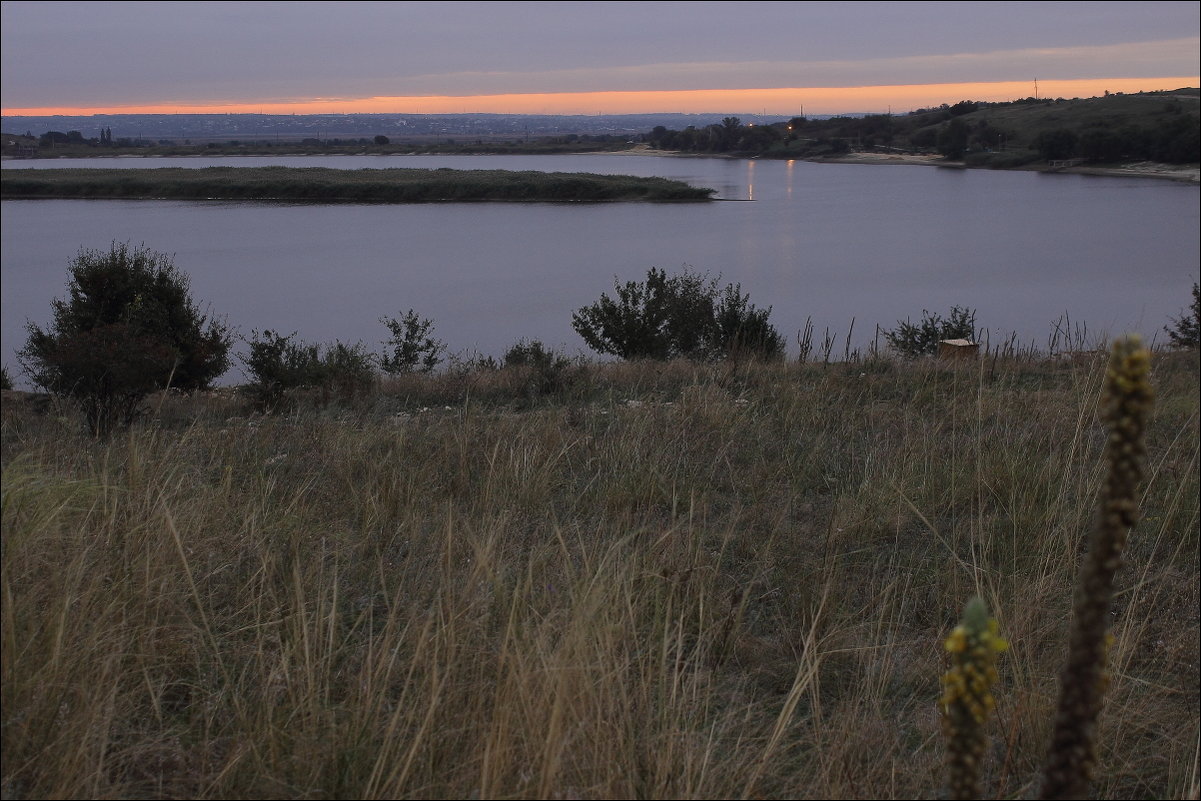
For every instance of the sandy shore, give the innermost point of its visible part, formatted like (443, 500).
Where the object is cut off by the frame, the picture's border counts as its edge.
(1139, 169)
(887, 158)
(1145, 169)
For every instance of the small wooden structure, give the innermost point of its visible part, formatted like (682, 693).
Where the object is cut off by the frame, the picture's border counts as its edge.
(957, 349)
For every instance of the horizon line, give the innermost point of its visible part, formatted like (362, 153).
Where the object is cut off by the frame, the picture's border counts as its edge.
(822, 100)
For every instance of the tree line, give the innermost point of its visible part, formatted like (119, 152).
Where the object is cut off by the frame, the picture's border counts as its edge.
(129, 327)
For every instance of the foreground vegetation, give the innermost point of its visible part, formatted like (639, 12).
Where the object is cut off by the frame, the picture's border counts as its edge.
(660, 580)
(318, 184)
(546, 577)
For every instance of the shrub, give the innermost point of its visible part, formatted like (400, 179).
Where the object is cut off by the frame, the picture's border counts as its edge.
(680, 315)
(1185, 331)
(278, 364)
(548, 369)
(346, 371)
(127, 328)
(922, 339)
(741, 329)
(530, 354)
(6, 381)
(412, 345)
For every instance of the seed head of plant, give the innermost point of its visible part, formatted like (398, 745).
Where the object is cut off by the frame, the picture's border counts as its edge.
(967, 700)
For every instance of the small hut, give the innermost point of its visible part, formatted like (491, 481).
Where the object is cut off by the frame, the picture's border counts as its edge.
(957, 349)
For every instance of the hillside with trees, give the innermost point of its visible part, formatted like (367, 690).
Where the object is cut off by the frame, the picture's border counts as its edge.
(1151, 126)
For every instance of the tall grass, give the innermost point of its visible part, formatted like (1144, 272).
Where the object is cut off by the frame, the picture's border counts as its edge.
(666, 581)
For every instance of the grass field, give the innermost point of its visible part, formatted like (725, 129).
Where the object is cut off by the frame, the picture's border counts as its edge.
(324, 185)
(662, 581)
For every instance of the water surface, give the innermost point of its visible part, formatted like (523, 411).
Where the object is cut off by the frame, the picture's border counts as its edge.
(831, 242)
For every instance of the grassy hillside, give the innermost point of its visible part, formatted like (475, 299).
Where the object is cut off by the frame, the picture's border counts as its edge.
(659, 581)
(1025, 121)
(1161, 126)
(319, 184)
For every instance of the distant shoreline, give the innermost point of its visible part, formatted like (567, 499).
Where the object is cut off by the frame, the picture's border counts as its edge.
(1142, 169)
(1189, 173)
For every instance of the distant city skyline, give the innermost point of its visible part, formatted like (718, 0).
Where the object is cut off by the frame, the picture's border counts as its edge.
(75, 58)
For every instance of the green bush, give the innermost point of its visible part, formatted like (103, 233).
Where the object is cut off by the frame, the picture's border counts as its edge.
(922, 339)
(1185, 331)
(412, 346)
(128, 327)
(680, 315)
(277, 365)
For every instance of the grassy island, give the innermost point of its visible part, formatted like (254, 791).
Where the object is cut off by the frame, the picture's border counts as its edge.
(325, 185)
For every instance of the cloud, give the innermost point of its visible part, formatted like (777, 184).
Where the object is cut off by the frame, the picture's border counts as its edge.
(113, 53)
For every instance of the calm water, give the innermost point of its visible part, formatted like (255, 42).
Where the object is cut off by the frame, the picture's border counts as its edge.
(831, 242)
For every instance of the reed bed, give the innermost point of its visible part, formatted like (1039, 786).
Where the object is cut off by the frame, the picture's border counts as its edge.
(327, 185)
(666, 581)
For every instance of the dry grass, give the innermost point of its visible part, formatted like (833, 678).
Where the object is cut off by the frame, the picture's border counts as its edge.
(668, 581)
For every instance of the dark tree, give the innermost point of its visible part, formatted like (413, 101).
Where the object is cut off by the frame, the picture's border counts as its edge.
(412, 347)
(1057, 144)
(683, 315)
(128, 327)
(1185, 331)
(952, 140)
(1177, 140)
(1101, 145)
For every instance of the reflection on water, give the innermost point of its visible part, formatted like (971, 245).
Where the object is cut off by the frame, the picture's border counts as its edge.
(829, 242)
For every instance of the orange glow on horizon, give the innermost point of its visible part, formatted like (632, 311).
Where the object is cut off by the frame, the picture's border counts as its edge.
(774, 102)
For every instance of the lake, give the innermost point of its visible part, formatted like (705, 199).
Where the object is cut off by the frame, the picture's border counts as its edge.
(831, 242)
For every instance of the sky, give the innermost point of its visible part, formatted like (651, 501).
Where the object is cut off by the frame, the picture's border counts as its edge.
(775, 58)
